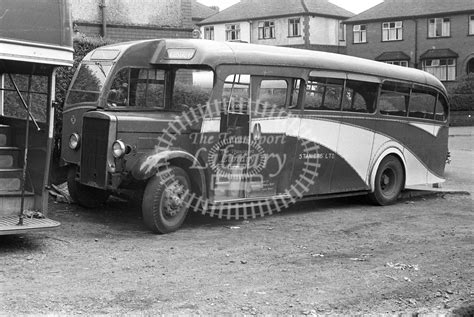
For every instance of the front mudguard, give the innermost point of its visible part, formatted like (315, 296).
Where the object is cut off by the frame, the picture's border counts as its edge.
(150, 164)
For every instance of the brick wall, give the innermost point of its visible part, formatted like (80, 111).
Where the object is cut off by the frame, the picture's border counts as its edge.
(121, 33)
(126, 20)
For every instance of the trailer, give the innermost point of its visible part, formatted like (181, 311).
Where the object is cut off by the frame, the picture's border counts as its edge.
(35, 39)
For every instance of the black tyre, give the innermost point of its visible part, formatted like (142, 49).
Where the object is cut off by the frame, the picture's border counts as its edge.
(164, 207)
(389, 182)
(86, 196)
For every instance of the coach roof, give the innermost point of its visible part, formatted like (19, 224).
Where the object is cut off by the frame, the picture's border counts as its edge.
(214, 53)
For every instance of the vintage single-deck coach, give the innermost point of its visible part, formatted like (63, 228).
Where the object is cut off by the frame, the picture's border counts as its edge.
(240, 130)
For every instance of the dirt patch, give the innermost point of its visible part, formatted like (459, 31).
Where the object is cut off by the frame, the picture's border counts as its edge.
(326, 257)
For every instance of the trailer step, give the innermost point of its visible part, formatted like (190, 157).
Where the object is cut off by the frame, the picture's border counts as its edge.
(5, 132)
(9, 225)
(9, 157)
(10, 205)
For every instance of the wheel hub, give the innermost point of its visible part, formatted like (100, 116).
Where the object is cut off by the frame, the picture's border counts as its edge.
(174, 199)
(386, 181)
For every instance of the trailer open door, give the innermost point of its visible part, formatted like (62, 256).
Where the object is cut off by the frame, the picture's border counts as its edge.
(35, 39)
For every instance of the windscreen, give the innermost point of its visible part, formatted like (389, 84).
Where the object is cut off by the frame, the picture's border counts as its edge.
(88, 83)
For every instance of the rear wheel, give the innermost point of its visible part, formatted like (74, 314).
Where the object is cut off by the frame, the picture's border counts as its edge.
(85, 196)
(389, 182)
(164, 206)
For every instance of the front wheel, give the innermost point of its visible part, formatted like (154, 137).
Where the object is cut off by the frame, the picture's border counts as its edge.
(389, 182)
(164, 204)
(84, 195)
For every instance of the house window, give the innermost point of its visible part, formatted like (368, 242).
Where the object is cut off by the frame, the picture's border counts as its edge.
(294, 28)
(444, 68)
(342, 32)
(266, 30)
(232, 32)
(398, 63)
(471, 25)
(360, 33)
(209, 32)
(439, 27)
(392, 31)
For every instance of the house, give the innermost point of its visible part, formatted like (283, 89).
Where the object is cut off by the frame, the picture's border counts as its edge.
(200, 11)
(434, 35)
(310, 24)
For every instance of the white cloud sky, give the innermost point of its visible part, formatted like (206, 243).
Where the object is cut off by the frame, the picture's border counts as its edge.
(351, 5)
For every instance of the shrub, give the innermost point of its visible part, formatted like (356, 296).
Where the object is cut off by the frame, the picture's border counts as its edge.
(462, 102)
(462, 94)
(82, 46)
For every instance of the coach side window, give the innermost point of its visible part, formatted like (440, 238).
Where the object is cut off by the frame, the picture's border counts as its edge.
(422, 103)
(296, 88)
(272, 93)
(323, 94)
(359, 96)
(394, 99)
(441, 110)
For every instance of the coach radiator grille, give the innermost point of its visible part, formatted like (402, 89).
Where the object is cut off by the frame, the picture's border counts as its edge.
(95, 135)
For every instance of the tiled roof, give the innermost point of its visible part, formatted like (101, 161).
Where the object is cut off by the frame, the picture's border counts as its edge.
(200, 11)
(439, 53)
(257, 9)
(411, 8)
(392, 56)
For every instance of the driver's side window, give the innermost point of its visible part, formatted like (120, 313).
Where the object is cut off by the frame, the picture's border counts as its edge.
(118, 95)
(135, 87)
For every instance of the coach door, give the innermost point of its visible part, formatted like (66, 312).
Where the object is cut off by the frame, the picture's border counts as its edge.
(257, 138)
(271, 147)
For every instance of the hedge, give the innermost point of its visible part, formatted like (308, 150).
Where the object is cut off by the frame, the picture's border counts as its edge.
(461, 94)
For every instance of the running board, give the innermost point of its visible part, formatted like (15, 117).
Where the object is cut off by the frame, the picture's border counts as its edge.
(336, 195)
(288, 197)
(9, 225)
(252, 199)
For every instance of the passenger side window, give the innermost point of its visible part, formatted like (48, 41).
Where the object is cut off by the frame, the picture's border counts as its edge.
(422, 103)
(272, 94)
(314, 95)
(192, 88)
(359, 96)
(323, 94)
(394, 99)
(236, 93)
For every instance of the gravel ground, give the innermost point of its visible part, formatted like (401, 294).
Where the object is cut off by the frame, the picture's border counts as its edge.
(316, 258)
